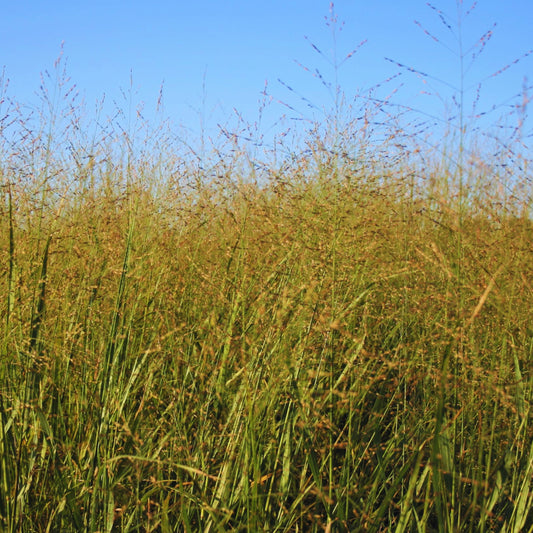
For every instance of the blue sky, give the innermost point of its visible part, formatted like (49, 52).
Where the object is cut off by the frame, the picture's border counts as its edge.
(213, 56)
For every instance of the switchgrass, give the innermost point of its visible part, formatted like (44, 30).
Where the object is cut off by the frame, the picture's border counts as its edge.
(333, 345)
(290, 357)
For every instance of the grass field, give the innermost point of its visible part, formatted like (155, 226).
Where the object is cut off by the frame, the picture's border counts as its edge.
(339, 344)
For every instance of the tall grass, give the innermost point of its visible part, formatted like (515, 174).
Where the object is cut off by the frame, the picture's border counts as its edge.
(197, 348)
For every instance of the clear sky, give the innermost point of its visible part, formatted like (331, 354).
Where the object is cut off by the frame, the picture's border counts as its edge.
(235, 46)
